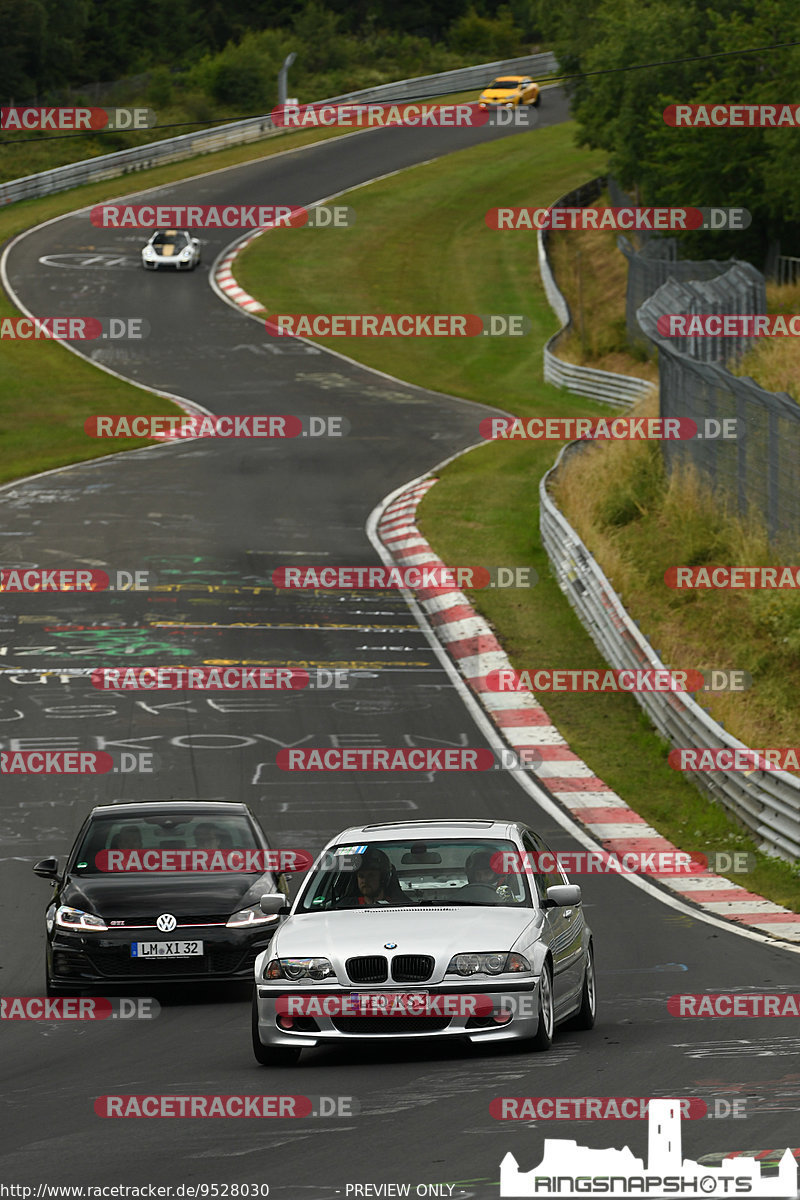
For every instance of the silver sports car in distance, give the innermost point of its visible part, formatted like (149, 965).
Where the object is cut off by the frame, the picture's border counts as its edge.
(171, 248)
(425, 929)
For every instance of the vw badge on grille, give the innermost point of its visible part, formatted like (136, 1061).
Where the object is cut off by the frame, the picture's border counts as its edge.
(166, 922)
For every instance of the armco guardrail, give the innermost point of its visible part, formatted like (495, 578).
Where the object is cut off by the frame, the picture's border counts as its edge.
(767, 802)
(186, 145)
(608, 387)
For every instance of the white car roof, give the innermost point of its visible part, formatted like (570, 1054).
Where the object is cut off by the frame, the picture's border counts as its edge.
(403, 830)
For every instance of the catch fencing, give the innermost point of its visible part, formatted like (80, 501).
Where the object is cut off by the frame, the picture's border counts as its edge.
(206, 141)
(758, 471)
(767, 802)
(622, 391)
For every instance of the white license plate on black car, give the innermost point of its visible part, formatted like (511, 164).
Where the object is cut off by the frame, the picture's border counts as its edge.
(166, 949)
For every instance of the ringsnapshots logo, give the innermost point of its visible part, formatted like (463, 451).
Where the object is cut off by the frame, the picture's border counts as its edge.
(623, 219)
(208, 425)
(73, 329)
(75, 120)
(79, 1008)
(569, 1170)
(402, 325)
(434, 577)
(221, 216)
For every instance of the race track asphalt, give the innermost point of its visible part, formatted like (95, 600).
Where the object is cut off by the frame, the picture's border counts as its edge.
(212, 519)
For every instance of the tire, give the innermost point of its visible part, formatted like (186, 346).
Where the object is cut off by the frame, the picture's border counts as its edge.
(538, 98)
(271, 1056)
(585, 1016)
(544, 1034)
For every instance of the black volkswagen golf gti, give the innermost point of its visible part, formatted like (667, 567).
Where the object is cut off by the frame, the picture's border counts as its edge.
(108, 926)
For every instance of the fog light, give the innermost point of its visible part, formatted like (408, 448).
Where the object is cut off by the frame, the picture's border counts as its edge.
(285, 1021)
(502, 1016)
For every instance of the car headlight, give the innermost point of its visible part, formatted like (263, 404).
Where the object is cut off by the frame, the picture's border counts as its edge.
(249, 916)
(297, 969)
(76, 918)
(187, 253)
(149, 252)
(491, 962)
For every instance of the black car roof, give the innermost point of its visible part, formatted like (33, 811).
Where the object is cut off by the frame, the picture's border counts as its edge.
(147, 807)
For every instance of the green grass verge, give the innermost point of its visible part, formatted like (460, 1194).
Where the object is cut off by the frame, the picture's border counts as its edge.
(420, 245)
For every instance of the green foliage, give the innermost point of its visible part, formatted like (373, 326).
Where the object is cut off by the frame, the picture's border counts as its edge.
(757, 169)
(160, 89)
(487, 38)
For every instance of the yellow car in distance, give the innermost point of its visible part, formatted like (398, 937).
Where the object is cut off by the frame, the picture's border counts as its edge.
(510, 91)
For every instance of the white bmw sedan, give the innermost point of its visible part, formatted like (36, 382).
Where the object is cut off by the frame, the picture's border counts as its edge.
(425, 929)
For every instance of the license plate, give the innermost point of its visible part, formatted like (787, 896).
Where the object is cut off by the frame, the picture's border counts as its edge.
(371, 1004)
(166, 949)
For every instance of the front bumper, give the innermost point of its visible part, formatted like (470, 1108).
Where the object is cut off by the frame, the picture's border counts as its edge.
(519, 997)
(74, 959)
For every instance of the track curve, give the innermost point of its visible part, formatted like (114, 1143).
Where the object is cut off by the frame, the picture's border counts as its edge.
(215, 519)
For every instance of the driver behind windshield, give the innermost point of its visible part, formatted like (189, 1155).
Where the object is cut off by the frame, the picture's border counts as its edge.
(480, 871)
(377, 880)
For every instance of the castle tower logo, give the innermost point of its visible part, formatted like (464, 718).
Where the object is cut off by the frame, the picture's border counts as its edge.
(568, 1169)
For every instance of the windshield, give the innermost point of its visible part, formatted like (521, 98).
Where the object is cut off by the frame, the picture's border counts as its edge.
(457, 873)
(163, 832)
(178, 240)
(504, 83)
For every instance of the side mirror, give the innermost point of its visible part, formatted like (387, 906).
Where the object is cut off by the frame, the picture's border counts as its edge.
(563, 895)
(274, 904)
(47, 869)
